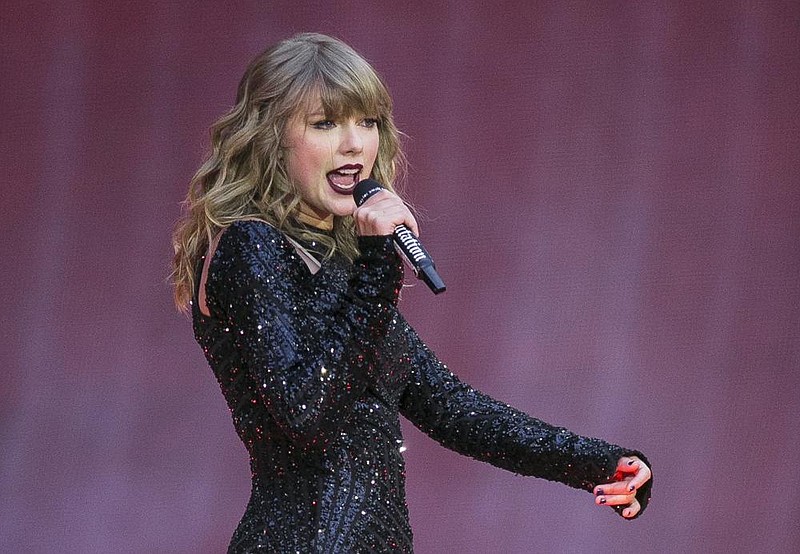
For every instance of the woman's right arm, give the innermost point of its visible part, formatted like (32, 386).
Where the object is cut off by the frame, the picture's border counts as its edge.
(306, 380)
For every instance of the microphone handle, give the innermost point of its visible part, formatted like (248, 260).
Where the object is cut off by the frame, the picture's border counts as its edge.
(415, 255)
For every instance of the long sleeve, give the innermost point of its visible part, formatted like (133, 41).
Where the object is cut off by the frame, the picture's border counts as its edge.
(300, 341)
(471, 423)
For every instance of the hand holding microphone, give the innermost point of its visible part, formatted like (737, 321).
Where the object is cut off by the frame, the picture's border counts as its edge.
(389, 215)
(380, 211)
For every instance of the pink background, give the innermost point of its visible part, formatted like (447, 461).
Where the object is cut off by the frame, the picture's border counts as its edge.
(611, 193)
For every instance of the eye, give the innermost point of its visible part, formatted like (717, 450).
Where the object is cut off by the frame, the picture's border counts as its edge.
(369, 122)
(324, 124)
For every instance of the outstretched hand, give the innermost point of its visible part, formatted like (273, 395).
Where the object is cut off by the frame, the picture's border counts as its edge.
(631, 474)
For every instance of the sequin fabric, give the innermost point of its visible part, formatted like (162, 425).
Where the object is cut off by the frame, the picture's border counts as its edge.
(316, 369)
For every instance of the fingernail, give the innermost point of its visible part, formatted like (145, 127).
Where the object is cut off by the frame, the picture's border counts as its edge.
(626, 513)
(599, 492)
(602, 501)
(632, 488)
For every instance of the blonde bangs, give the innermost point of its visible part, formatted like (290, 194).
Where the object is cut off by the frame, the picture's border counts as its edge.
(343, 90)
(363, 97)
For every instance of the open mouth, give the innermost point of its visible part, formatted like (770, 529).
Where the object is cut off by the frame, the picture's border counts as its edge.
(344, 179)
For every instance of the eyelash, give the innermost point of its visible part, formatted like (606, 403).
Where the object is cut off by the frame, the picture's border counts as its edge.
(368, 122)
(324, 125)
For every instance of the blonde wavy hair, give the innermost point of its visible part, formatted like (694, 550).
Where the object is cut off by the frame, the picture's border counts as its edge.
(244, 176)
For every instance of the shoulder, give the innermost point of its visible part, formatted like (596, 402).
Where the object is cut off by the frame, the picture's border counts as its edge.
(251, 231)
(249, 246)
(251, 237)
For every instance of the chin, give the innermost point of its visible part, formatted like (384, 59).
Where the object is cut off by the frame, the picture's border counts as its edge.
(343, 209)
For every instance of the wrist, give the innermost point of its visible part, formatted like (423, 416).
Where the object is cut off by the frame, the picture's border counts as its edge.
(379, 270)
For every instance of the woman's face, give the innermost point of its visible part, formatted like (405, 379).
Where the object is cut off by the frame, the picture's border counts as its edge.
(326, 158)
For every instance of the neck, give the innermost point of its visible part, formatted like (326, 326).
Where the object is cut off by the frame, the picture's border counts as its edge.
(307, 215)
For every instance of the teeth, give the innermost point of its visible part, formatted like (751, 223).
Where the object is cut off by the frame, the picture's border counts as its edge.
(343, 180)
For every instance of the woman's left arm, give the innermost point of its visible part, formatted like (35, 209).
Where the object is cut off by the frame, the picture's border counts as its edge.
(474, 424)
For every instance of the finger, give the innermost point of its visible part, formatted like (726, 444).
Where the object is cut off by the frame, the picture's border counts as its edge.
(380, 212)
(411, 223)
(633, 465)
(615, 499)
(382, 194)
(388, 204)
(387, 218)
(641, 473)
(616, 487)
(626, 486)
(632, 510)
(628, 464)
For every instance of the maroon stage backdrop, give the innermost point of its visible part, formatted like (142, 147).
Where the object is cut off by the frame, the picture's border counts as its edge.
(610, 191)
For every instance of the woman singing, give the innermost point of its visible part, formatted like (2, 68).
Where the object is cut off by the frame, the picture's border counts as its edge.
(293, 293)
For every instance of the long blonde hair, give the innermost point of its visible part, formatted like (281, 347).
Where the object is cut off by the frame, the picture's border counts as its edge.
(244, 176)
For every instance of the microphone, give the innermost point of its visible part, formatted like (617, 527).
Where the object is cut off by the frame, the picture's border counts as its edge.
(406, 243)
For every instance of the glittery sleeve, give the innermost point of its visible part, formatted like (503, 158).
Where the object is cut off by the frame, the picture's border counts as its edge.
(301, 344)
(471, 423)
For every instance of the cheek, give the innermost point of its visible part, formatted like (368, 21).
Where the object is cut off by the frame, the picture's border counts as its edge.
(306, 161)
(294, 166)
(372, 149)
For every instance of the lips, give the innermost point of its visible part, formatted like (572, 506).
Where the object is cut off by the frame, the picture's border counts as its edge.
(344, 179)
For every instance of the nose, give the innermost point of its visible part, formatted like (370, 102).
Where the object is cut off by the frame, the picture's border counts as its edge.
(352, 142)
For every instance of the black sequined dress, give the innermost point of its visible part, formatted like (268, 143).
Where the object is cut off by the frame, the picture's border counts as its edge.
(317, 368)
